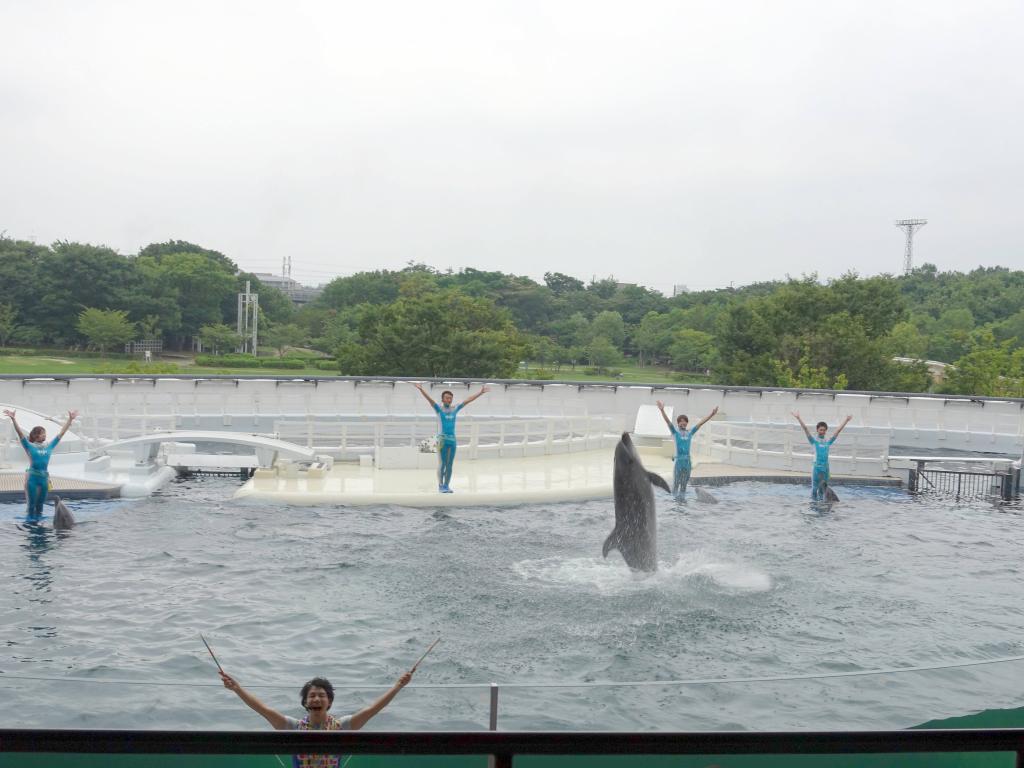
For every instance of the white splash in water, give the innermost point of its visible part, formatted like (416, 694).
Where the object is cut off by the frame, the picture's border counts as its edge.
(613, 576)
(723, 573)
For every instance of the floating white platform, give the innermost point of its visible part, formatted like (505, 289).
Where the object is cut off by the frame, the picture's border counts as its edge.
(488, 482)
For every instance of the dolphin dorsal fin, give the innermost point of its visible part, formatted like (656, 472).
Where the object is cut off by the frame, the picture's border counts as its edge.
(658, 480)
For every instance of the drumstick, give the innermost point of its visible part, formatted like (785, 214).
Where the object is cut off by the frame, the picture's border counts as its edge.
(425, 654)
(212, 656)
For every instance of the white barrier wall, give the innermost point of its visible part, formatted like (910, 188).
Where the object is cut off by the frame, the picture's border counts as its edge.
(126, 406)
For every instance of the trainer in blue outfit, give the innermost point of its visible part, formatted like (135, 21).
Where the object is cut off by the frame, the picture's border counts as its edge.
(820, 472)
(683, 437)
(446, 443)
(37, 476)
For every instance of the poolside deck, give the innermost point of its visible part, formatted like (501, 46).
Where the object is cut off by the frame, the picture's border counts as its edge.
(497, 482)
(12, 488)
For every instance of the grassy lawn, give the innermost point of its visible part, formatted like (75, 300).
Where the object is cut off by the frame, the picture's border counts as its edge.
(51, 365)
(630, 374)
(55, 365)
(47, 365)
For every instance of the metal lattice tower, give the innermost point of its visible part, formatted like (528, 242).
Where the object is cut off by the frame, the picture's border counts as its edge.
(248, 317)
(910, 226)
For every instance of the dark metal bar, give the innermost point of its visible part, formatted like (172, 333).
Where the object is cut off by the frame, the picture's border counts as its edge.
(505, 744)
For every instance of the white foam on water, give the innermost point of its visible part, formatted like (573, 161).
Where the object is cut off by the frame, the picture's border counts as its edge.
(613, 576)
(735, 576)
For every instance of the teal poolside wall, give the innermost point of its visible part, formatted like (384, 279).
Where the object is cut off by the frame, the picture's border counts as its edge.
(985, 728)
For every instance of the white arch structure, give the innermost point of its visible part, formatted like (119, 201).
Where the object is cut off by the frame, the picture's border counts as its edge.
(267, 449)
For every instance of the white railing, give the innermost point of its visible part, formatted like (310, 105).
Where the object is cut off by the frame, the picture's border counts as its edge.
(478, 438)
(121, 426)
(783, 447)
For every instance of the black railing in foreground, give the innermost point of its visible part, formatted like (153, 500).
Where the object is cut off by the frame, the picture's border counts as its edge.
(503, 747)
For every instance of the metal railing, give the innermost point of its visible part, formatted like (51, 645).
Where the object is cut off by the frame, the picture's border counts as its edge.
(478, 438)
(504, 747)
(964, 477)
(785, 447)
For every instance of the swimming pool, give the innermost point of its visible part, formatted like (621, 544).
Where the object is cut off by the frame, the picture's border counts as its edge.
(100, 626)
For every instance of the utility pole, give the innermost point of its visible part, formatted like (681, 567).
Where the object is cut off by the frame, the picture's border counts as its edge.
(248, 319)
(910, 226)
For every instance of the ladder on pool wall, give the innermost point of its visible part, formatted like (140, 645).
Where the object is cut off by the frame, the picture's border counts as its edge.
(963, 483)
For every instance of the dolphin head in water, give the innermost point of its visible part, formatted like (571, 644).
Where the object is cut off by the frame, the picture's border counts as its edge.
(636, 526)
(63, 520)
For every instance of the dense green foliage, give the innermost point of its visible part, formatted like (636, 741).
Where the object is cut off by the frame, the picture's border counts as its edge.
(844, 333)
(105, 328)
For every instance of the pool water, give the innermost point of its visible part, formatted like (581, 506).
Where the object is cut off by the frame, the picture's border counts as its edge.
(100, 625)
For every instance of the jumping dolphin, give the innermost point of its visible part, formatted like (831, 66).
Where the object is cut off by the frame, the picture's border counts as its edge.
(63, 520)
(636, 525)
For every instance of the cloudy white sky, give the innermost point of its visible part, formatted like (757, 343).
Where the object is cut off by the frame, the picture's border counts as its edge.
(660, 142)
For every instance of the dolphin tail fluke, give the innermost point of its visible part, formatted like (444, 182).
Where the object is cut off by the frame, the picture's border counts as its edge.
(658, 480)
(612, 542)
(705, 497)
(830, 495)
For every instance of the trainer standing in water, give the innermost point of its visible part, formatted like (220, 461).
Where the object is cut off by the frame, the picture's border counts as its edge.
(446, 444)
(683, 437)
(316, 696)
(37, 476)
(820, 472)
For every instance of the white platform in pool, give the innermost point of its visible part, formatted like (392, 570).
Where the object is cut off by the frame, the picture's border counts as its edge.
(488, 482)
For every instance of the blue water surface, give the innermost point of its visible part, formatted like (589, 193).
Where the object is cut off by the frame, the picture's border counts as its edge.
(100, 625)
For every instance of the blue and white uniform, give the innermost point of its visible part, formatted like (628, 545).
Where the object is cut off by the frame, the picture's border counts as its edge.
(37, 476)
(446, 443)
(682, 466)
(819, 473)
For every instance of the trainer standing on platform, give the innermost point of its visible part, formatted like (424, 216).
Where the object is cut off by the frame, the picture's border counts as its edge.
(37, 476)
(446, 444)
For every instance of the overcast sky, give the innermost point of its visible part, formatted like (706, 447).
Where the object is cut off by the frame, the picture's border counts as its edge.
(700, 143)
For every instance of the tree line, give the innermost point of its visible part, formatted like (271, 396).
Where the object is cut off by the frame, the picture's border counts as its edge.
(846, 333)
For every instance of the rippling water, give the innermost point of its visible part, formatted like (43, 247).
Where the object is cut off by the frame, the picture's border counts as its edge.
(760, 585)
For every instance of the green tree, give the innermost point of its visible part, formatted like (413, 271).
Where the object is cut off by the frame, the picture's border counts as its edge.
(1011, 329)
(609, 325)
(105, 327)
(544, 350)
(21, 264)
(280, 337)
(435, 333)
(219, 337)
(692, 350)
(380, 287)
(604, 289)
(877, 301)
(603, 354)
(74, 276)
(149, 327)
(951, 335)
(338, 328)
(201, 285)
(561, 284)
(632, 302)
(654, 335)
(806, 376)
(8, 323)
(905, 340)
(572, 330)
(157, 251)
